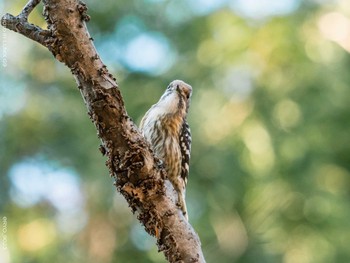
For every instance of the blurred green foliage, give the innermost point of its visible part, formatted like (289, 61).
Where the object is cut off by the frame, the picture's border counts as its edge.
(270, 167)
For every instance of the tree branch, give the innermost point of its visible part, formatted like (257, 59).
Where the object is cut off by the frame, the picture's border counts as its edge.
(20, 25)
(138, 175)
(28, 8)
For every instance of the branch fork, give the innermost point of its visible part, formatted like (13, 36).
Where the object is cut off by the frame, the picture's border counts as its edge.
(20, 24)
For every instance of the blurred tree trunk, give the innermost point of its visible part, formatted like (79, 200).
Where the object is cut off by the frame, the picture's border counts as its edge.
(137, 174)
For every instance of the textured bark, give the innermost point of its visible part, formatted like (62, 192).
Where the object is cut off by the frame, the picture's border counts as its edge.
(130, 161)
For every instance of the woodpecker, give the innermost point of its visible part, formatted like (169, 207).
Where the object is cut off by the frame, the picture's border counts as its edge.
(166, 129)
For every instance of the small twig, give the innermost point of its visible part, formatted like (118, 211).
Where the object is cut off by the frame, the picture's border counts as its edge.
(15, 23)
(20, 24)
(28, 9)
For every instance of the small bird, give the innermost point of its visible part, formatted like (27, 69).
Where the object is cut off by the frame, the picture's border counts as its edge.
(166, 129)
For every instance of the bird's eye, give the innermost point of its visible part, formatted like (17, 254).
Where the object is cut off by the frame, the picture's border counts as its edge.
(187, 94)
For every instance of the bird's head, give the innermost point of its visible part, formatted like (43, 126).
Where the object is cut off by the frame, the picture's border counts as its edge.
(183, 89)
(177, 96)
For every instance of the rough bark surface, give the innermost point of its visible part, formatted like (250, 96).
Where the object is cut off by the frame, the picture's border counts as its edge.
(130, 161)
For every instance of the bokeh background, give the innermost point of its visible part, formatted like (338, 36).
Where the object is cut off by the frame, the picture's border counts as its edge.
(270, 117)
